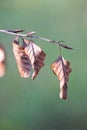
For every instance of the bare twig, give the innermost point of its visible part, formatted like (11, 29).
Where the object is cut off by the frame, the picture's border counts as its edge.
(30, 34)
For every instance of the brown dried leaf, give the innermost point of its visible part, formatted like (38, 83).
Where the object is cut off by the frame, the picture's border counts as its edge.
(2, 61)
(61, 68)
(23, 62)
(36, 55)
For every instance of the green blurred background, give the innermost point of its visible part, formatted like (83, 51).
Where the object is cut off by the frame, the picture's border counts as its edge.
(35, 105)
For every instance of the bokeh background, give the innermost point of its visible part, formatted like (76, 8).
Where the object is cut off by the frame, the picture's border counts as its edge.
(35, 105)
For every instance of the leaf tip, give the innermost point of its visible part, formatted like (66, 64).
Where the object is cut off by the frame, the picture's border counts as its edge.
(63, 92)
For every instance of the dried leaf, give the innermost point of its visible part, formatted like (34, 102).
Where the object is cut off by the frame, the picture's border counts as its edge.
(61, 68)
(23, 62)
(36, 56)
(2, 61)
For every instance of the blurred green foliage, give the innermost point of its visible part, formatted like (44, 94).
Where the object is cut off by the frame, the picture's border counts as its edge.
(35, 105)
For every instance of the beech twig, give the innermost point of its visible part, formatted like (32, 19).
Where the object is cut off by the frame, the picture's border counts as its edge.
(30, 34)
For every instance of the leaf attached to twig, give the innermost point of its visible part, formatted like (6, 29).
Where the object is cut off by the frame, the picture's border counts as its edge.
(23, 62)
(61, 68)
(36, 56)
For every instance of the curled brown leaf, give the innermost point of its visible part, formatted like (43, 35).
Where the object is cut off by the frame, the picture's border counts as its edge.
(36, 56)
(23, 62)
(61, 68)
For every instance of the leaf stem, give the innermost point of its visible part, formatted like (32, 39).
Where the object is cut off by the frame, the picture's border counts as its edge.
(60, 50)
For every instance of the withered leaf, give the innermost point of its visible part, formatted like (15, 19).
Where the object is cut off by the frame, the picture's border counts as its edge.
(36, 56)
(61, 68)
(23, 62)
(2, 61)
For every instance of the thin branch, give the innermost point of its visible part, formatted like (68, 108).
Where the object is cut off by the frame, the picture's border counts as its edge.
(30, 34)
(13, 33)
